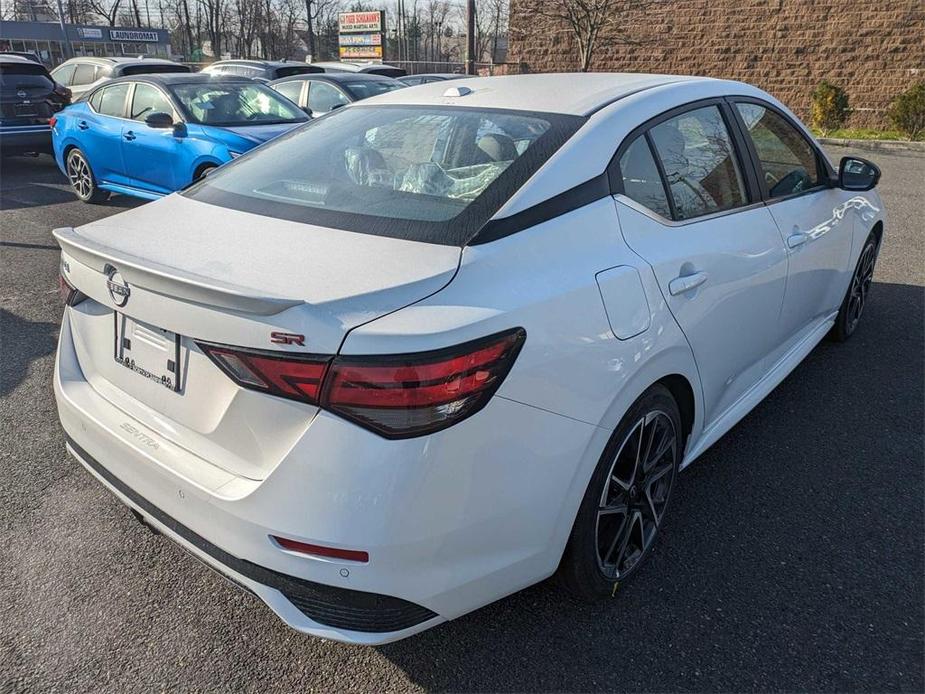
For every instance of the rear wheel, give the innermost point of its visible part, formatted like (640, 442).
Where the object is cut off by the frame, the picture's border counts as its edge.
(849, 315)
(202, 171)
(82, 179)
(625, 504)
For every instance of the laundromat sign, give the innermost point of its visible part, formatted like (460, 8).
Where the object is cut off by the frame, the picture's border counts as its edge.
(132, 35)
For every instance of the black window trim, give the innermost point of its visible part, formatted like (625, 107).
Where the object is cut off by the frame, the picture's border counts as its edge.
(743, 156)
(824, 169)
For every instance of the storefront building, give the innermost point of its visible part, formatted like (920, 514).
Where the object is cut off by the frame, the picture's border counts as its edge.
(47, 42)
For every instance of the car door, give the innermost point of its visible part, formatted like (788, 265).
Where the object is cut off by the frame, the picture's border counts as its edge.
(323, 97)
(100, 130)
(687, 204)
(810, 213)
(151, 155)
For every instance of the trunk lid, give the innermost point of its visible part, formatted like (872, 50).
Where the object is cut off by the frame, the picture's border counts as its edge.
(176, 271)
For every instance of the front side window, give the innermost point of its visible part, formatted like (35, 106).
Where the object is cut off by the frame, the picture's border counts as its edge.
(322, 97)
(147, 100)
(699, 162)
(641, 180)
(432, 174)
(112, 100)
(788, 162)
(235, 103)
(84, 74)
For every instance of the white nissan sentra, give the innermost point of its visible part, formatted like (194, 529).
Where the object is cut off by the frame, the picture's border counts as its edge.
(443, 343)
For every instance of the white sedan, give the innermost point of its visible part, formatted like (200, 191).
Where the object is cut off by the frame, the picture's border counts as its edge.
(443, 343)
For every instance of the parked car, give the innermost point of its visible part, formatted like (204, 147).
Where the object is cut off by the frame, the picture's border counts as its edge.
(28, 98)
(367, 68)
(426, 78)
(149, 135)
(29, 55)
(83, 75)
(321, 93)
(261, 70)
(428, 351)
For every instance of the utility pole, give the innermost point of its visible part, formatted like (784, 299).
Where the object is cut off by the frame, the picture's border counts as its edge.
(470, 37)
(68, 48)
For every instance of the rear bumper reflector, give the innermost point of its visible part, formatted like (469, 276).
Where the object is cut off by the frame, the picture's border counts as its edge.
(341, 608)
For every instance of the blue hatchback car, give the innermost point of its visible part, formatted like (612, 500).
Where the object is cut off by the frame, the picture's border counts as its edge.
(149, 135)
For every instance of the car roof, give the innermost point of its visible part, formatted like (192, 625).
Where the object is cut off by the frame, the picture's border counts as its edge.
(170, 78)
(339, 77)
(258, 63)
(119, 61)
(18, 59)
(572, 93)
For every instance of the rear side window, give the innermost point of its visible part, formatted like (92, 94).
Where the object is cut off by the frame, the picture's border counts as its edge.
(24, 76)
(291, 90)
(64, 74)
(112, 100)
(699, 162)
(788, 162)
(432, 174)
(322, 97)
(84, 74)
(641, 180)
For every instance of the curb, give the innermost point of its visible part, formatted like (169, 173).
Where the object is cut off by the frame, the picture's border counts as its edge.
(877, 145)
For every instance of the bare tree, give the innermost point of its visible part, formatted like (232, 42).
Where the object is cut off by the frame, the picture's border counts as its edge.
(107, 9)
(585, 19)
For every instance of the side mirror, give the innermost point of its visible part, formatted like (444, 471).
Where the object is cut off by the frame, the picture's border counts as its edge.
(308, 112)
(858, 174)
(159, 119)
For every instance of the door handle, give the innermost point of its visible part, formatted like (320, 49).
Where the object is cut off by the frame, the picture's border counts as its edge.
(797, 239)
(129, 136)
(685, 283)
(83, 125)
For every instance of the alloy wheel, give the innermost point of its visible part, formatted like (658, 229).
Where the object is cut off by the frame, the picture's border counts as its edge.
(860, 286)
(78, 171)
(635, 495)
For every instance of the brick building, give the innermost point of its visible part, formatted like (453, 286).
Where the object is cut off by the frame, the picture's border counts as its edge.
(873, 48)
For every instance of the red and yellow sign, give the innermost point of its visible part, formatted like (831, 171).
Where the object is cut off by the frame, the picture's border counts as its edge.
(348, 52)
(368, 22)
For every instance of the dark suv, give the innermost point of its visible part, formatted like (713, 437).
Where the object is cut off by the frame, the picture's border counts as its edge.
(28, 98)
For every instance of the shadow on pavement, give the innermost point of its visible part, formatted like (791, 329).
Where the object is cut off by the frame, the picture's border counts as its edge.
(792, 556)
(22, 342)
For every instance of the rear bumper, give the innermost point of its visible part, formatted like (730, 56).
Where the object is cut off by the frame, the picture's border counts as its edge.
(15, 139)
(450, 522)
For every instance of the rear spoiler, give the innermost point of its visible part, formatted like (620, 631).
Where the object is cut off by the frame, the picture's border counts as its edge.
(167, 280)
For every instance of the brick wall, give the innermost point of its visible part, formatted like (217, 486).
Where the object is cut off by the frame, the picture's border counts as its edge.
(873, 48)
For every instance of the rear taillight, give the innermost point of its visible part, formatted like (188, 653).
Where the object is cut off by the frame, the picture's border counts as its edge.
(287, 375)
(397, 396)
(70, 295)
(62, 91)
(52, 121)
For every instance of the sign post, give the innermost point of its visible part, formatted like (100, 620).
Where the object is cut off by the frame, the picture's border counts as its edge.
(361, 35)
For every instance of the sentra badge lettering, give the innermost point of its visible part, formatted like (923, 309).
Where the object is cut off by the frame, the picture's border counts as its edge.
(142, 438)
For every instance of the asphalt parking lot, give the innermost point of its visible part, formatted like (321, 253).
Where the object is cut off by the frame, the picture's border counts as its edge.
(792, 559)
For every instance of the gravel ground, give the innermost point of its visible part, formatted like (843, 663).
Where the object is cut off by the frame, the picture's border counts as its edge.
(793, 558)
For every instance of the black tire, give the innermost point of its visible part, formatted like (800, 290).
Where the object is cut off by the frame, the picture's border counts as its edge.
(82, 179)
(852, 306)
(202, 171)
(590, 568)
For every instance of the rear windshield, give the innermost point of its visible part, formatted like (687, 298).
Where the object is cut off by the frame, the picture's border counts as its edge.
(363, 89)
(18, 76)
(153, 69)
(432, 174)
(297, 70)
(235, 103)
